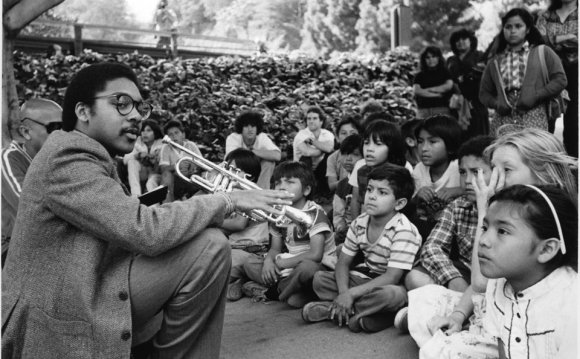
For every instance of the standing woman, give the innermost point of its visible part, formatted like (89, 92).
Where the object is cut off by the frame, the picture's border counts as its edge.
(559, 29)
(512, 83)
(433, 85)
(466, 73)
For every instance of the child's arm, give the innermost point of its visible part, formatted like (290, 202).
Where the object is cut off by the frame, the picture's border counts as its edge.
(338, 213)
(355, 203)
(314, 254)
(435, 252)
(342, 306)
(448, 194)
(270, 271)
(453, 322)
(235, 223)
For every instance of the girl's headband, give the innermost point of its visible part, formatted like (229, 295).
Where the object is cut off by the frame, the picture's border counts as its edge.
(562, 243)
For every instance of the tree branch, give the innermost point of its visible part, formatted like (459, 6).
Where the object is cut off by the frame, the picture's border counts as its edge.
(23, 12)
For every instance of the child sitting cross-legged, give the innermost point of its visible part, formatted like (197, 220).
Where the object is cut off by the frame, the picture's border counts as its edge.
(365, 296)
(446, 254)
(289, 275)
(529, 250)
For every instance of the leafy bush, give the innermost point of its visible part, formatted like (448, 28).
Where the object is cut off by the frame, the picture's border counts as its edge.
(207, 94)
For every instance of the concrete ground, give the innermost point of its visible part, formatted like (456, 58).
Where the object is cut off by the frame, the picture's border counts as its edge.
(273, 330)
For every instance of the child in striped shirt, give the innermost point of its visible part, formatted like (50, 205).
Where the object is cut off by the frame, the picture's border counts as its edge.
(366, 295)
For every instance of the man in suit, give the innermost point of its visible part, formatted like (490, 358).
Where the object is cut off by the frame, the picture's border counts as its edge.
(39, 117)
(89, 266)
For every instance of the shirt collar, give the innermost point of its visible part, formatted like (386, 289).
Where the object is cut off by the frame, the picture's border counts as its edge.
(525, 48)
(558, 278)
(392, 223)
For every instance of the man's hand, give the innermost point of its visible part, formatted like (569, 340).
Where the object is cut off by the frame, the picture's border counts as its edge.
(265, 200)
(342, 307)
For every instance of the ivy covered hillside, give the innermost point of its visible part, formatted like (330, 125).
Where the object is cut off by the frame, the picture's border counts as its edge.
(207, 94)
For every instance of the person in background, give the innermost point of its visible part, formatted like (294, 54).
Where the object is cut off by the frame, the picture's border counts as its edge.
(168, 157)
(143, 162)
(249, 135)
(165, 20)
(39, 118)
(559, 29)
(350, 150)
(512, 84)
(334, 169)
(312, 146)
(433, 85)
(465, 67)
(413, 156)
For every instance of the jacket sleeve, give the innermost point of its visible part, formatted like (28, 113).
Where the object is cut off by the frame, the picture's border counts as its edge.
(487, 90)
(556, 74)
(82, 191)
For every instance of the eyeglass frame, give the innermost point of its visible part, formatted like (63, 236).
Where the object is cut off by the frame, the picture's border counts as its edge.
(46, 126)
(133, 102)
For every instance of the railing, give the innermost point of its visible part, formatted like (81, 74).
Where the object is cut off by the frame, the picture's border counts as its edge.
(105, 38)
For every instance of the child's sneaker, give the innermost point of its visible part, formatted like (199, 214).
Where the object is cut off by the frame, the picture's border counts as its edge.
(234, 292)
(254, 290)
(401, 320)
(316, 312)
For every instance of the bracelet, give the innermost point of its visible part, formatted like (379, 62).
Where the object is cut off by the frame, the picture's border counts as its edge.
(460, 312)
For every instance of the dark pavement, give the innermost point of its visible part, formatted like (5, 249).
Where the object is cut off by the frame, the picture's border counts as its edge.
(274, 330)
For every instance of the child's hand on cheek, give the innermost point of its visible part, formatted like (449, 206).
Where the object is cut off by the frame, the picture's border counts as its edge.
(484, 191)
(426, 194)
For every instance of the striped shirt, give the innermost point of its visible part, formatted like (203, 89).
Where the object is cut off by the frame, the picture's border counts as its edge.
(296, 244)
(15, 163)
(539, 322)
(396, 247)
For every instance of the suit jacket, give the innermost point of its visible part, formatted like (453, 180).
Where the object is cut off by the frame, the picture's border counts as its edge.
(65, 286)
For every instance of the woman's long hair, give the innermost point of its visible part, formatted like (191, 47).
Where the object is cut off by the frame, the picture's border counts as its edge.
(533, 37)
(436, 52)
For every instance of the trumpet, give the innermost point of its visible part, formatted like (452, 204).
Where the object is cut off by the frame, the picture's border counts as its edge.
(228, 178)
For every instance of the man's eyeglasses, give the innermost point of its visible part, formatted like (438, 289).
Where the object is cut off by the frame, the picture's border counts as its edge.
(50, 127)
(125, 104)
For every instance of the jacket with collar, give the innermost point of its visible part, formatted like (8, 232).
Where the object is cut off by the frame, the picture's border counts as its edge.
(533, 92)
(65, 285)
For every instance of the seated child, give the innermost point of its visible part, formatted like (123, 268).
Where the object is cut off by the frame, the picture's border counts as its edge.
(437, 175)
(382, 143)
(365, 296)
(169, 156)
(341, 213)
(446, 254)
(408, 131)
(529, 250)
(289, 275)
(143, 162)
(334, 169)
(246, 236)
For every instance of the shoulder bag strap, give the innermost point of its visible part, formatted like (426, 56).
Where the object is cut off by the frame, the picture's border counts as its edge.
(497, 70)
(543, 63)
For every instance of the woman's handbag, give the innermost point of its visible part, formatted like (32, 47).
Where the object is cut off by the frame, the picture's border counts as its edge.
(557, 105)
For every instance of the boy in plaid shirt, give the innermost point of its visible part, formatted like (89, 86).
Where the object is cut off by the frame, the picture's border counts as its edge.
(446, 254)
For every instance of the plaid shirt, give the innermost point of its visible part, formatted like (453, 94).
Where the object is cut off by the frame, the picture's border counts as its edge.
(550, 26)
(456, 227)
(513, 67)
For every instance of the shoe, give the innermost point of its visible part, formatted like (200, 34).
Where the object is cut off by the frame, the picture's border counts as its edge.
(316, 312)
(375, 323)
(401, 320)
(254, 290)
(354, 324)
(234, 292)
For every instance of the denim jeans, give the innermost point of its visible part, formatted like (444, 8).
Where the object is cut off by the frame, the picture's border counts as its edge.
(188, 285)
